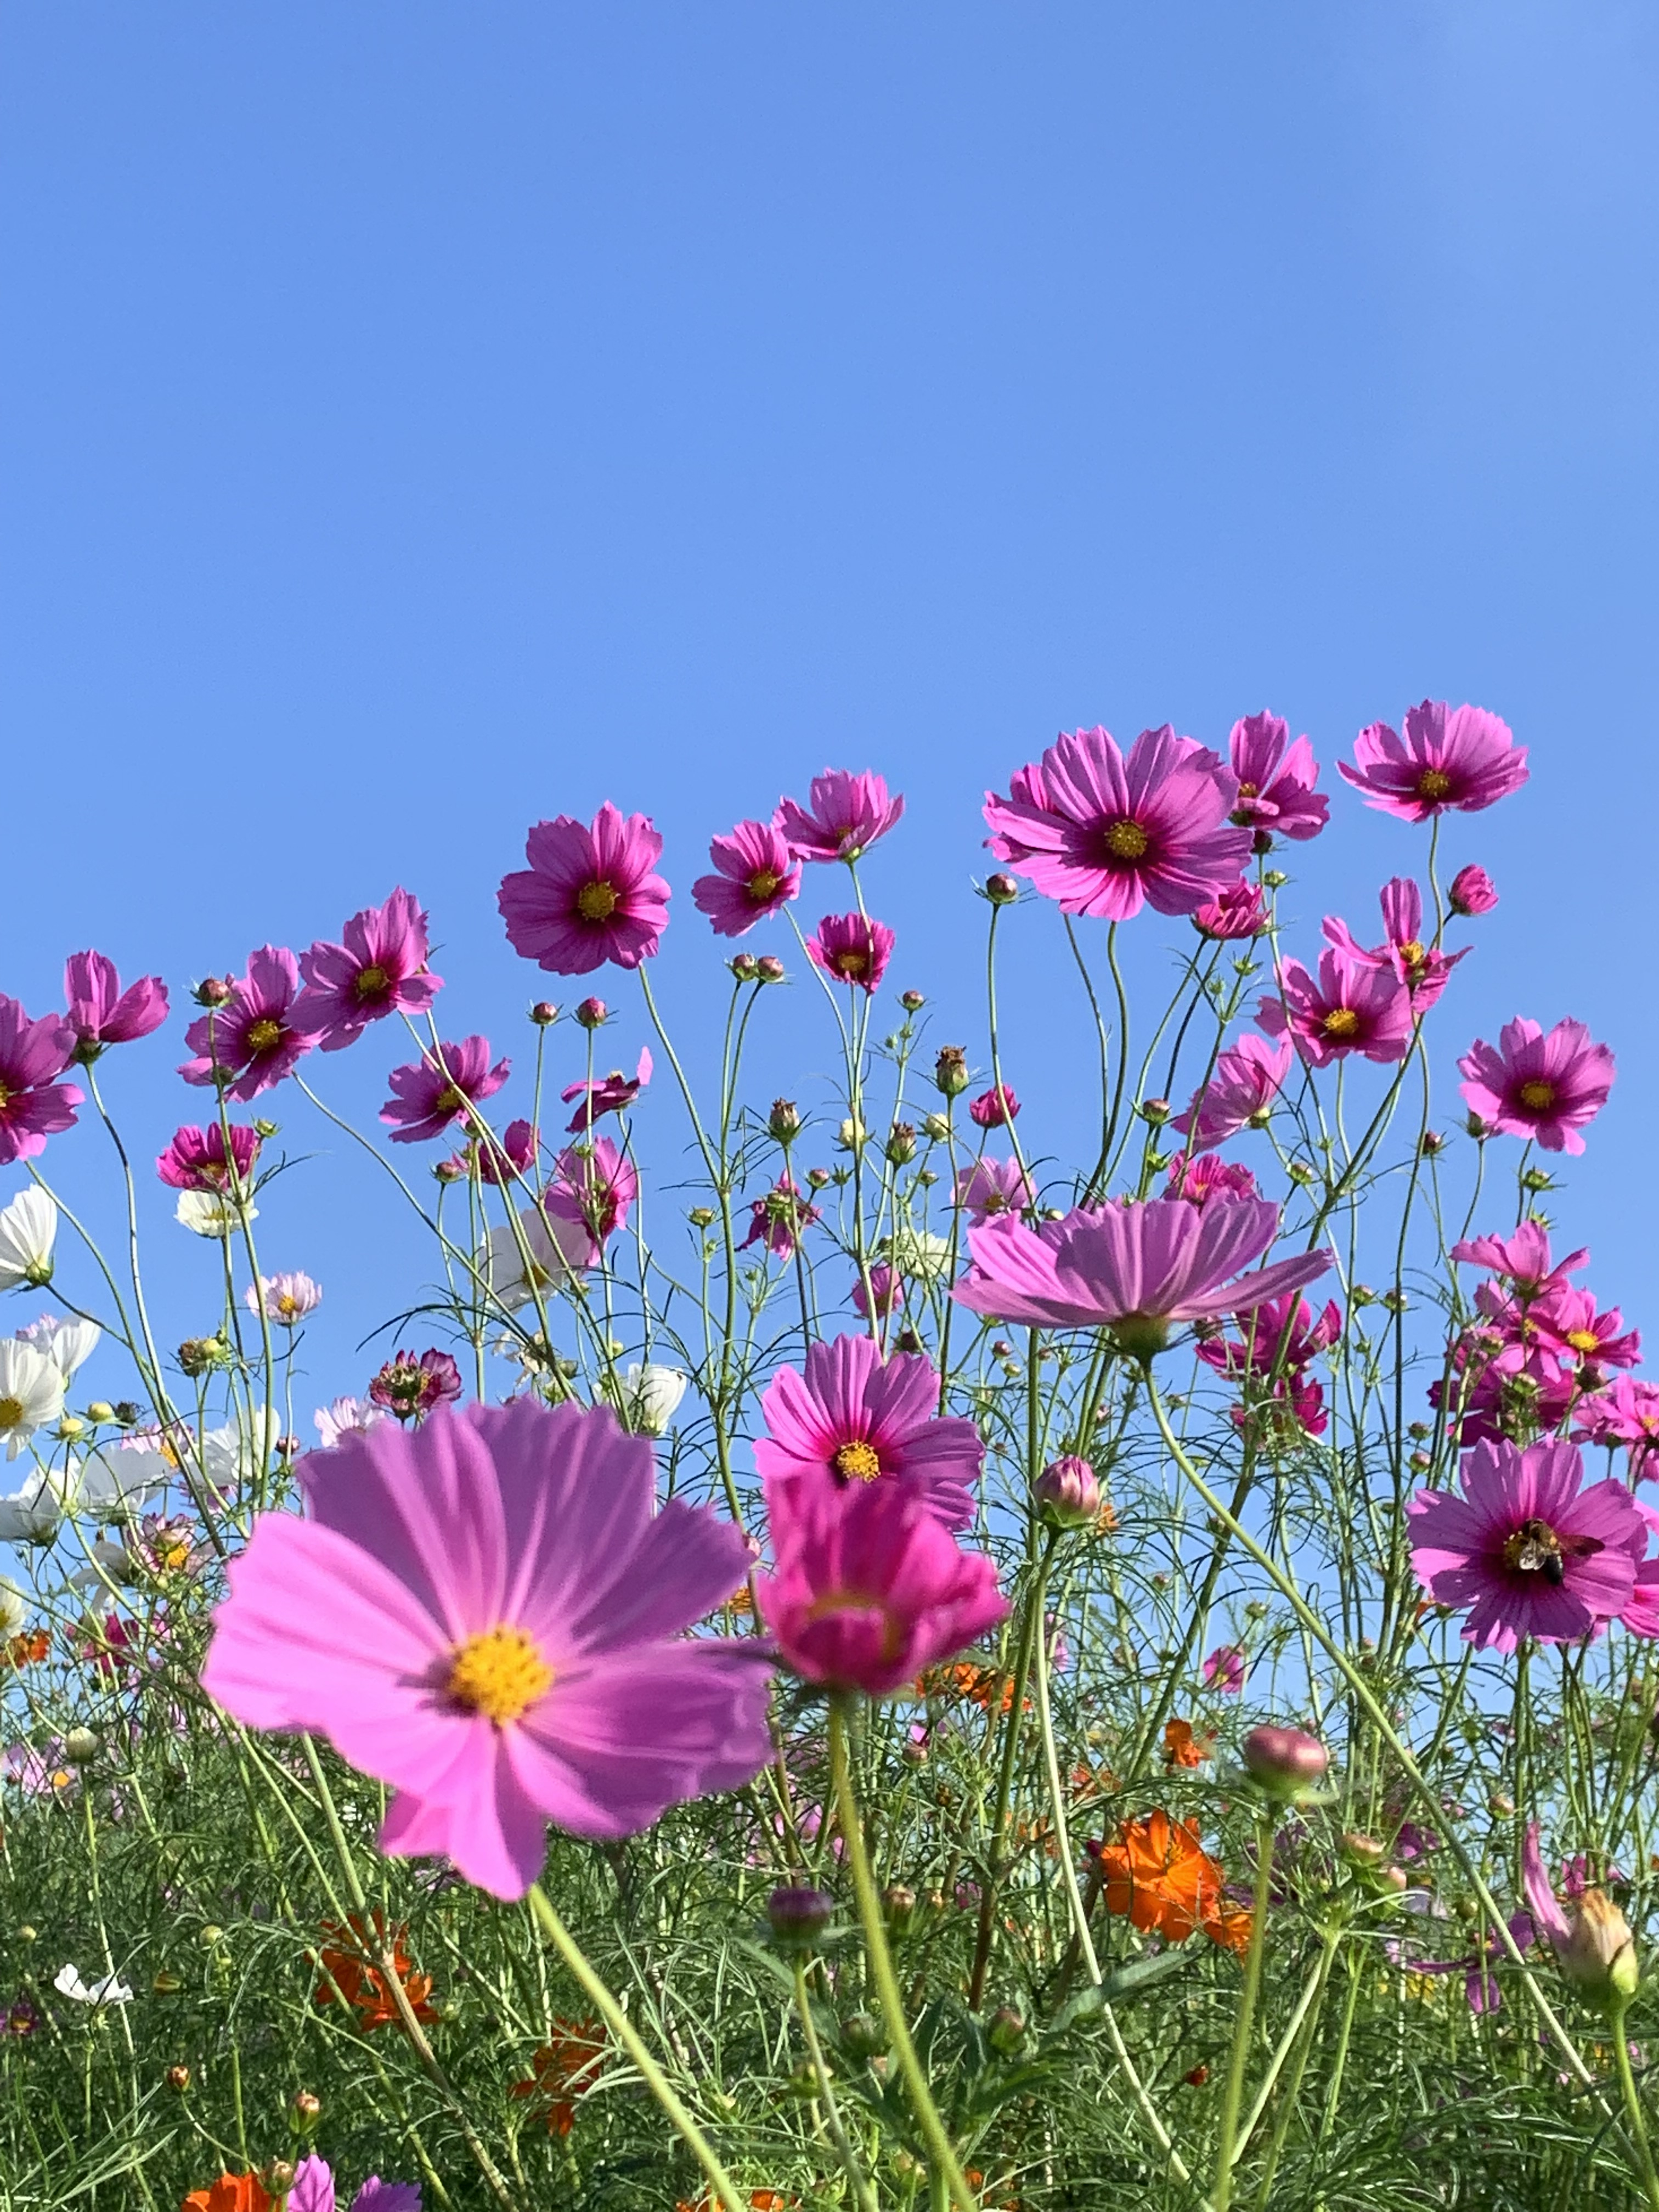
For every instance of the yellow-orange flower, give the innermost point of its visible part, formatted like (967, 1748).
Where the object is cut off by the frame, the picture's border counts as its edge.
(1182, 1748)
(363, 1983)
(1156, 1871)
(28, 1648)
(231, 2192)
(561, 2069)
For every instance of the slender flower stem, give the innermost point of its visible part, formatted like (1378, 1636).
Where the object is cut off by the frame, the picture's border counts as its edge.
(940, 2149)
(1221, 2189)
(849, 2158)
(1639, 2125)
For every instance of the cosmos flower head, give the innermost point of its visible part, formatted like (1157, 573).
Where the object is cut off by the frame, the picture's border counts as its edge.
(100, 1013)
(378, 968)
(1544, 1087)
(845, 816)
(1237, 912)
(990, 1187)
(34, 1104)
(610, 1094)
(1451, 759)
(590, 897)
(850, 948)
(755, 874)
(196, 1158)
(251, 1042)
(430, 1095)
(1277, 780)
(1247, 1078)
(1423, 970)
(1352, 1005)
(588, 1200)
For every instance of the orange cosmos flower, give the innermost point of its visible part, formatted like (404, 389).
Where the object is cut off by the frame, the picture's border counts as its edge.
(560, 2070)
(231, 2192)
(1182, 1748)
(1157, 1872)
(363, 1984)
(29, 1648)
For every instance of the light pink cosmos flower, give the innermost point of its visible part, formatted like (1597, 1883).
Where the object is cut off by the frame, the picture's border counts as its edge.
(995, 1108)
(100, 1013)
(1422, 971)
(1627, 1414)
(346, 1417)
(755, 874)
(287, 1300)
(34, 1105)
(589, 895)
(610, 1094)
(379, 967)
(1523, 1257)
(851, 949)
(847, 814)
(1459, 757)
(195, 1159)
(1105, 837)
(1226, 1669)
(869, 1588)
(1539, 1086)
(1243, 1084)
(251, 1040)
(1472, 892)
(1139, 1269)
(489, 1612)
(1237, 912)
(990, 1187)
(428, 1095)
(1352, 1006)
(1207, 1177)
(593, 1188)
(1276, 781)
(1525, 1547)
(853, 1418)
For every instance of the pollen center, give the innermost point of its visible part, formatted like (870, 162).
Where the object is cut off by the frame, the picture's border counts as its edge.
(857, 1461)
(449, 1100)
(1412, 953)
(1533, 1543)
(1126, 840)
(5, 1098)
(1538, 1097)
(1583, 1339)
(11, 1412)
(263, 1033)
(1248, 791)
(500, 1675)
(1433, 784)
(1341, 1021)
(762, 884)
(372, 981)
(850, 963)
(596, 902)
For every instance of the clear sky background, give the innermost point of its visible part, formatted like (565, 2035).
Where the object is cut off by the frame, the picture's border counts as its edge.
(416, 420)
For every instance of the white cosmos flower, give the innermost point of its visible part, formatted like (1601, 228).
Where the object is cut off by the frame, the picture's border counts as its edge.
(13, 1612)
(501, 1264)
(28, 1226)
(110, 1563)
(67, 1344)
(346, 1417)
(31, 1392)
(116, 1481)
(108, 1990)
(288, 1298)
(651, 1396)
(210, 1213)
(919, 1253)
(33, 1514)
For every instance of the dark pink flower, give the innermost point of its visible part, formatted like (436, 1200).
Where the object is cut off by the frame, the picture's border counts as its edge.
(1280, 1341)
(1522, 1259)
(412, 1387)
(1422, 971)
(886, 1289)
(991, 1187)
(594, 1186)
(1276, 781)
(1627, 1414)
(1139, 1269)
(1472, 892)
(1226, 1668)
(869, 1588)
(34, 1105)
(995, 1108)
(100, 1013)
(779, 1220)
(195, 1160)
(1568, 1323)
(428, 1095)
(1207, 1177)
(1519, 1390)
(1353, 1007)
(1238, 911)
(589, 895)
(1243, 1084)
(852, 1418)
(610, 1094)
(489, 1613)
(1459, 757)
(378, 968)
(1525, 1547)
(1104, 836)
(851, 949)
(1539, 1086)
(503, 1160)
(847, 815)
(251, 1042)
(755, 874)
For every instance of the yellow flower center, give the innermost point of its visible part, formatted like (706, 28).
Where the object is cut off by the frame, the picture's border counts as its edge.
(850, 963)
(1433, 784)
(500, 1675)
(1126, 840)
(449, 1100)
(263, 1033)
(762, 884)
(1583, 1339)
(1248, 791)
(1538, 1097)
(856, 1461)
(1341, 1021)
(1412, 953)
(11, 1412)
(596, 902)
(287, 1303)
(5, 1098)
(372, 981)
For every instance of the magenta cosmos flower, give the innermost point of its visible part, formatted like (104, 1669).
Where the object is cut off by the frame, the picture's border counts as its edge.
(755, 874)
(1628, 1414)
(1199, 1180)
(847, 815)
(411, 1385)
(1423, 972)
(1459, 757)
(884, 1296)
(869, 1588)
(780, 1219)
(1472, 892)
(992, 1186)
(1224, 1670)
(1137, 1269)
(379, 967)
(1105, 837)
(994, 1108)
(487, 1613)
(1354, 1005)
(196, 1158)
(589, 895)
(851, 949)
(100, 1013)
(851, 1418)
(251, 1042)
(1525, 1547)
(607, 1094)
(593, 1188)
(1539, 1086)
(1276, 779)
(428, 1095)
(34, 1105)
(1243, 1084)
(1237, 912)
(1522, 1259)
(501, 1160)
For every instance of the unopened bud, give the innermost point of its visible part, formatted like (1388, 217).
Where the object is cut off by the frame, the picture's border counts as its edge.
(1363, 1850)
(1477, 1128)
(818, 1178)
(100, 1411)
(279, 2176)
(935, 1127)
(798, 1916)
(71, 1426)
(1285, 1762)
(1068, 1494)
(850, 1135)
(178, 2077)
(784, 1123)
(306, 2111)
(898, 1904)
(700, 1217)
(768, 969)
(592, 1013)
(1006, 2030)
(80, 1746)
(212, 991)
(127, 1413)
(743, 967)
(1275, 879)
(544, 1013)
(901, 1144)
(950, 1071)
(912, 1002)
(1600, 1952)
(862, 2035)
(1001, 889)
(1394, 1878)
(451, 1171)
(1155, 1110)
(1472, 892)
(1430, 1142)
(1502, 1805)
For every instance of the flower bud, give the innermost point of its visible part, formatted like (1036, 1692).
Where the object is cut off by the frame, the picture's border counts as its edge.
(306, 2111)
(862, 2035)
(768, 969)
(1285, 1762)
(1600, 1952)
(901, 1144)
(165, 1984)
(912, 1002)
(592, 1013)
(1006, 2030)
(1477, 1128)
(784, 1123)
(127, 1413)
(700, 1217)
(1275, 879)
(100, 1411)
(950, 1071)
(80, 1746)
(1472, 892)
(1430, 1143)
(1067, 1493)
(212, 991)
(1365, 1851)
(1155, 1110)
(898, 1904)
(279, 2176)
(818, 1178)
(178, 2077)
(1001, 889)
(798, 1916)
(71, 1426)
(850, 1135)
(742, 965)
(544, 1013)
(1536, 1180)
(450, 1170)
(1394, 1878)
(200, 1355)
(935, 1127)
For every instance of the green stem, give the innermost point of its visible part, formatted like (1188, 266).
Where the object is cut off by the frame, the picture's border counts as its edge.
(1639, 2125)
(1221, 2189)
(849, 2158)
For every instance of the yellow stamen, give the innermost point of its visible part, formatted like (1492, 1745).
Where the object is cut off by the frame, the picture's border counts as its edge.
(762, 884)
(1126, 840)
(1538, 1097)
(856, 1462)
(263, 1033)
(1584, 1340)
(1248, 791)
(372, 981)
(449, 1100)
(11, 1412)
(1433, 784)
(500, 1675)
(596, 902)
(5, 1098)
(1412, 953)
(1341, 1021)
(850, 963)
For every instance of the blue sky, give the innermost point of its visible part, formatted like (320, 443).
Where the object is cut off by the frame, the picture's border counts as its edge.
(417, 420)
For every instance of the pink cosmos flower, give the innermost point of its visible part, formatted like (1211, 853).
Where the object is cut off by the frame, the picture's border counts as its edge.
(1641, 1616)
(869, 1587)
(1459, 757)
(1628, 1414)
(852, 1418)
(593, 1188)
(1522, 1259)
(428, 1095)
(778, 1219)
(995, 1108)
(1207, 1177)
(1276, 781)
(611, 1094)
(991, 1187)
(1527, 1548)
(1137, 1269)
(100, 1013)
(851, 949)
(34, 1105)
(1517, 1389)
(589, 895)
(488, 1613)
(251, 1043)
(886, 1290)
(1224, 1670)
(287, 1300)
(195, 1160)
(1569, 1324)
(1243, 1084)
(1105, 837)
(412, 1387)
(504, 1160)
(755, 874)
(1472, 892)
(313, 2190)
(1239, 911)
(847, 815)
(378, 968)
(1539, 1086)
(1422, 971)
(1281, 1339)
(1352, 1007)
